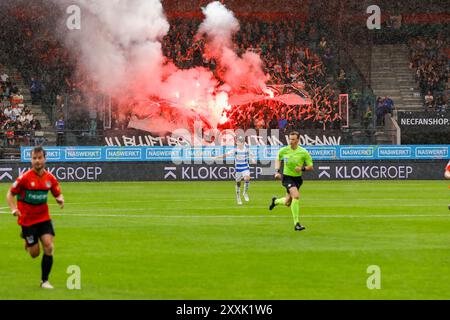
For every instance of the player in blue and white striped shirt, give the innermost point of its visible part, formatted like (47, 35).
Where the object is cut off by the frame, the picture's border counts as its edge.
(242, 168)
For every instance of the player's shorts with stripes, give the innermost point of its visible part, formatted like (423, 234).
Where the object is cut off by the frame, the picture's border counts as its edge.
(241, 173)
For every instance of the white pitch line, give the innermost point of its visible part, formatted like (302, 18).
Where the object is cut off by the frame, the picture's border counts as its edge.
(149, 216)
(258, 216)
(141, 201)
(232, 199)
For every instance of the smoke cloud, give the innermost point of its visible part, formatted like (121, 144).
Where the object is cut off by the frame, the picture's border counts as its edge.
(218, 29)
(120, 47)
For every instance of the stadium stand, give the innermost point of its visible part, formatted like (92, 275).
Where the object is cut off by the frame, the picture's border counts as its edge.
(429, 61)
(19, 124)
(309, 62)
(382, 73)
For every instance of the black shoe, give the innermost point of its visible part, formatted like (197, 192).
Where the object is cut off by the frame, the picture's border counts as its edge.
(299, 227)
(272, 205)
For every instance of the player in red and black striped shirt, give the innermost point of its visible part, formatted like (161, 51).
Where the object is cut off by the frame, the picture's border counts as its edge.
(31, 190)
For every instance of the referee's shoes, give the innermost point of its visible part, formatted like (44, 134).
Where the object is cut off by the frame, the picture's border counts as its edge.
(299, 227)
(272, 205)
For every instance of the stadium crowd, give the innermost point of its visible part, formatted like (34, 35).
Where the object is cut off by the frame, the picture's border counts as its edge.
(430, 61)
(291, 52)
(17, 123)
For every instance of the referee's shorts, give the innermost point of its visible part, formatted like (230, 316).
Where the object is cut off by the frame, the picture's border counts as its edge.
(288, 182)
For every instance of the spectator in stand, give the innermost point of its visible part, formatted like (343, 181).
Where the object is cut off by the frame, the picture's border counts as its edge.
(35, 125)
(323, 46)
(10, 135)
(36, 135)
(367, 118)
(273, 124)
(343, 81)
(441, 104)
(282, 123)
(60, 131)
(22, 118)
(389, 104)
(29, 116)
(7, 112)
(381, 111)
(429, 102)
(328, 58)
(4, 77)
(36, 91)
(92, 122)
(17, 99)
(260, 123)
(354, 103)
(313, 37)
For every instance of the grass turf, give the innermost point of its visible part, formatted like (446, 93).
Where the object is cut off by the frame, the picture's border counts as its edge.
(189, 240)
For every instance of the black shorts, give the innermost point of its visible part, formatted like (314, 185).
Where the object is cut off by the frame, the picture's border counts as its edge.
(289, 182)
(32, 233)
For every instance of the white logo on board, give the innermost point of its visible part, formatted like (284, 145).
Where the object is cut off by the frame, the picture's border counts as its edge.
(6, 174)
(324, 172)
(170, 172)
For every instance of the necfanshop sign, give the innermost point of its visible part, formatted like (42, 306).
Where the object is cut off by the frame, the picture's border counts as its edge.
(424, 127)
(164, 171)
(424, 120)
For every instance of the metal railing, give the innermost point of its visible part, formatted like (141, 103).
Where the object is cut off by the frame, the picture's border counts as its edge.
(392, 129)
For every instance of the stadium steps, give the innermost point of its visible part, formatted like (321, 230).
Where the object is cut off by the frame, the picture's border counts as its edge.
(382, 137)
(36, 110)
(391, 74)
(360, 55)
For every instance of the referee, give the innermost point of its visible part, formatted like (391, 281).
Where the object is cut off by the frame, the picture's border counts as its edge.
(296, 160)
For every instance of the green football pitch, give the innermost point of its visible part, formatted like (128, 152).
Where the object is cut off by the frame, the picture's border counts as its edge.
(190, 240)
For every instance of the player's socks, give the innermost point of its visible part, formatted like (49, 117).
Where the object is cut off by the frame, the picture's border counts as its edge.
(280, 202)
(295, 208)
(247, 184)
(238, 193)
(46, 266)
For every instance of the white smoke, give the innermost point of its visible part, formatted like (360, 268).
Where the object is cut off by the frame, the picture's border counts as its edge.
(218, 28)
(119, 45)
(220, 25)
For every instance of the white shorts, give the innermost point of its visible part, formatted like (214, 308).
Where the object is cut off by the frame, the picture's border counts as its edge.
(240, 175)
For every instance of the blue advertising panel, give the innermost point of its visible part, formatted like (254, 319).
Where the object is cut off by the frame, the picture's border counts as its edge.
(259, 153)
